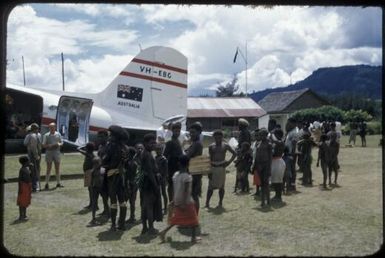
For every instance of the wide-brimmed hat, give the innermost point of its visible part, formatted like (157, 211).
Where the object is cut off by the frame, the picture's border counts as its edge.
(34, 126)
(242, 121)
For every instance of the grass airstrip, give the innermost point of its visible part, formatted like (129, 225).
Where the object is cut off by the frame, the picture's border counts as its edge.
(340, 221)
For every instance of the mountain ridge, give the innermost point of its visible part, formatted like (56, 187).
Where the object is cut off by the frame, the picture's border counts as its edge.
(353, 80)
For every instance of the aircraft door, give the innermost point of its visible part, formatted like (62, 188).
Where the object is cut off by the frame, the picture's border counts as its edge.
(72, 119)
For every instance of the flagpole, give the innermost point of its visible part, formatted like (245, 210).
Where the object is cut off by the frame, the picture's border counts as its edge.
(244, 59)
(22, 58)
(246, 67)
(62, 69)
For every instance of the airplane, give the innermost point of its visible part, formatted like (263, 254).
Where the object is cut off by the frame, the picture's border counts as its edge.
(150, 90)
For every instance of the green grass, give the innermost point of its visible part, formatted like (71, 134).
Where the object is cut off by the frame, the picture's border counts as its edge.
(345, 221)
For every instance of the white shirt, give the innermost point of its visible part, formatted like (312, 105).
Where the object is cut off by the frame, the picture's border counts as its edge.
(292, 135)
(179, 180)
(33, 143)
(49, 138)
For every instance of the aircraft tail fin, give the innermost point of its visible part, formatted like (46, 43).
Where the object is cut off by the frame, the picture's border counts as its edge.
(152, 87)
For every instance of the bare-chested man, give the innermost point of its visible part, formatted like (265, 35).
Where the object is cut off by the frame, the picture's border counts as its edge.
(217, 178)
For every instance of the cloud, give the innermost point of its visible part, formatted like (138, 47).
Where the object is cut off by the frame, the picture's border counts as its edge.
(100, 10)
(95, 75)
(41, 40)
(284, 43)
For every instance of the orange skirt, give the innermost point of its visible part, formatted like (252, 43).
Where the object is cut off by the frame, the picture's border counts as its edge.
(256, 179)
(186, 217)
(25, 195)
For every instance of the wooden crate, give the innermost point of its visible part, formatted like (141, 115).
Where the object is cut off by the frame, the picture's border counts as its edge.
(200, 165)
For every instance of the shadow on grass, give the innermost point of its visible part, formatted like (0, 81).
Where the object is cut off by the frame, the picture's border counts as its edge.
(48, 190)
(307, 185)
(242, 193)
(110, 235)
(145, 238)
(263, 209)
(18, 221)
(278, 204)
(133, 224)
(180, 245)
(293, 192)
(325, 189)
(217, 210)
(102, 219)
(99, 221)
(184, 230)
(82, 212)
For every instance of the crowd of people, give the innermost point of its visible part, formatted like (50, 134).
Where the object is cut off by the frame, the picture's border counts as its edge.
(158, 168)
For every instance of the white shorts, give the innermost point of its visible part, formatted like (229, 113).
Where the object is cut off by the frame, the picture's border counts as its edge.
(52, 156)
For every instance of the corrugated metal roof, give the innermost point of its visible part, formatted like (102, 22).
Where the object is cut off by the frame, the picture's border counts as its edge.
(223, 107)
(278, 101)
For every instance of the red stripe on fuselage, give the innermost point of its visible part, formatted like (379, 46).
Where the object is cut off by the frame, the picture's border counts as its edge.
(96, 129)
(145, 77)
(46, 121)
(172, 68)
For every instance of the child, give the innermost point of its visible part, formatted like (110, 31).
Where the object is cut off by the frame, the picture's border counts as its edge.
(88, 152)
(278, 165)
(256, 179)
(184, 212)
(332, 157)
(262, 163)
(287, 175)
(131, 186)
(322, 154)
(25, 188)
(96, 184)
(162, 165)
(243, 165)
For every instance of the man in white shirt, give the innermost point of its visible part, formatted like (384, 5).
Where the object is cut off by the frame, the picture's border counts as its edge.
(52, 141)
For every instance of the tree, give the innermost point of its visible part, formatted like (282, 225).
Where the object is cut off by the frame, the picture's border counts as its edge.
(324, 113)
(357, 116)
(230, 89)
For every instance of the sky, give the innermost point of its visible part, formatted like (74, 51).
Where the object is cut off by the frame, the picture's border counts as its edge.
(283, 44)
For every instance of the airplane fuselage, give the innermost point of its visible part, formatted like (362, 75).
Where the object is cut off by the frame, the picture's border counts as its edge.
(150, 89)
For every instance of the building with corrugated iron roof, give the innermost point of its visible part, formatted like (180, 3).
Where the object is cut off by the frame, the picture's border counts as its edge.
(223, 113)
(280, 105)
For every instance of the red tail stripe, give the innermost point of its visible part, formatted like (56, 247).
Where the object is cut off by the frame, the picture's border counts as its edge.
(144, 77)
(172, 68)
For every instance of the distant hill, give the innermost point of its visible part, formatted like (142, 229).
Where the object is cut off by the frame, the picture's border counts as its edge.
(357, 80)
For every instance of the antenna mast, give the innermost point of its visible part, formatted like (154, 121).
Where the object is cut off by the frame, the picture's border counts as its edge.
(62, 69)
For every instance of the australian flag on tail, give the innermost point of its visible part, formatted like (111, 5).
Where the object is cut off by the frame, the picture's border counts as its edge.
(130, 92)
